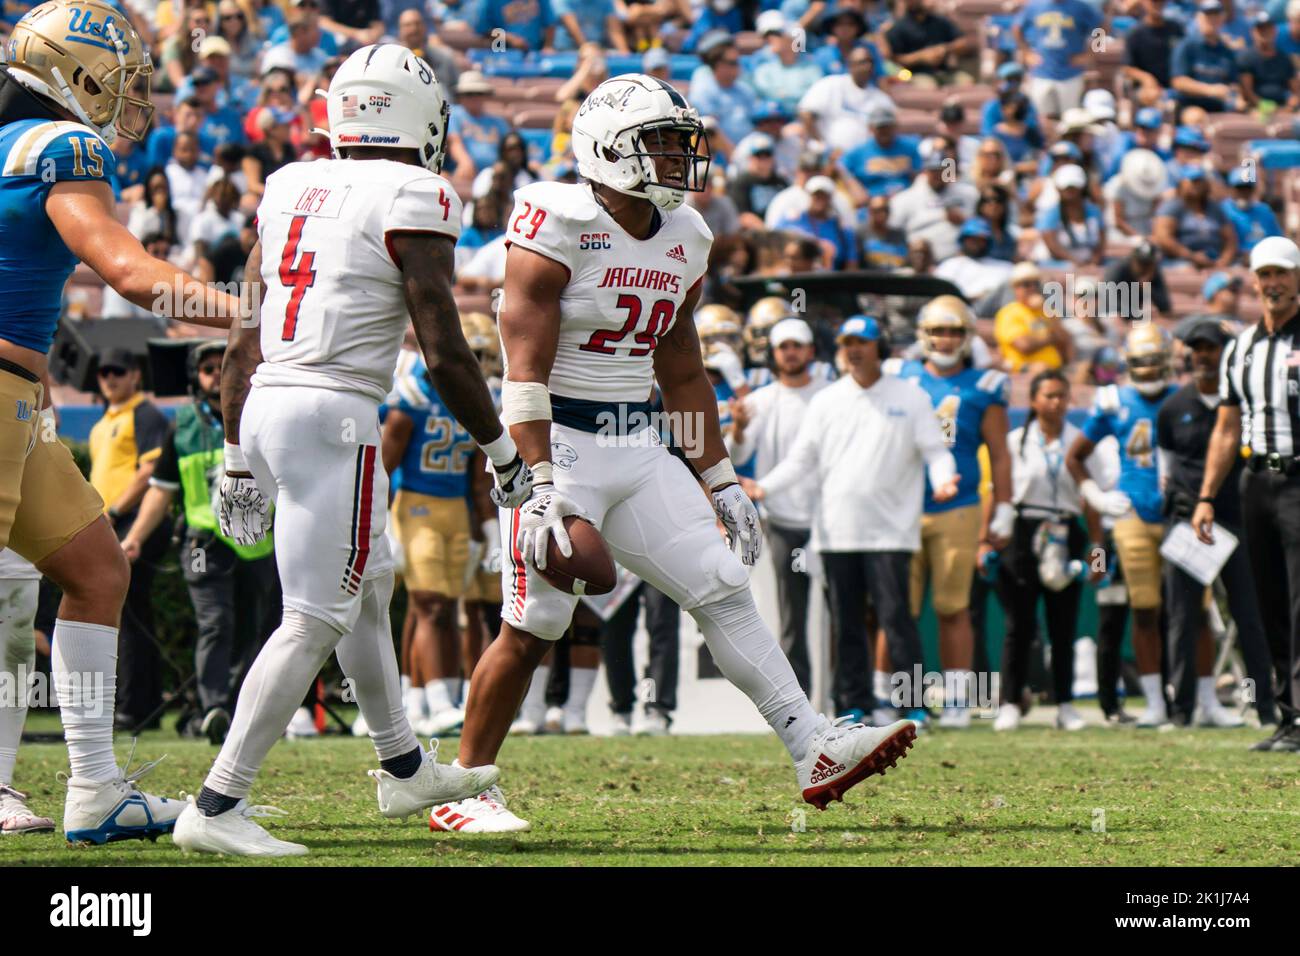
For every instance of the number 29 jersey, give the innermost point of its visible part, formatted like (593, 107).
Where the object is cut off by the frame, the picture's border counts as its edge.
(1130, 416)
(333, 309)
(623, 293)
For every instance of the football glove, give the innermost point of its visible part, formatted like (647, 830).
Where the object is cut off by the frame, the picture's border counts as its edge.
(244, 515)
(1111, 504)
(492, 557)
(541, 516)
(739, 516)
(476, 550)
(513, 484)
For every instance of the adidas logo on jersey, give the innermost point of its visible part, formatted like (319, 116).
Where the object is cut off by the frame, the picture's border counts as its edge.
(825, 769)
(678, 253)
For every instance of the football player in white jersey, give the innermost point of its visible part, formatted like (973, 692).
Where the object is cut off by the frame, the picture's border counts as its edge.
(347, 247)
(602, 280)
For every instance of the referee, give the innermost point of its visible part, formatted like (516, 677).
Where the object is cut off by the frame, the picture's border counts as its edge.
(1260, 392)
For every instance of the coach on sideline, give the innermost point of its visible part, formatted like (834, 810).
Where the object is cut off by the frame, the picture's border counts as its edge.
(1259, 386)
(867, 438)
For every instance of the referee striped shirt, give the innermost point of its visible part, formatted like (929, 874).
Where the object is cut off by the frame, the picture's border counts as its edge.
(1260, 374)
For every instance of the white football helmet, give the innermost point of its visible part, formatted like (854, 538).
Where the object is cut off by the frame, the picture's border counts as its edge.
(627, 125)
(385, 95)
(1149, 358)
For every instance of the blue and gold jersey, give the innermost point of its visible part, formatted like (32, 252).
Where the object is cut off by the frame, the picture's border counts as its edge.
(960, 401)
(34, 260)
(1123, 411)
(437, 457)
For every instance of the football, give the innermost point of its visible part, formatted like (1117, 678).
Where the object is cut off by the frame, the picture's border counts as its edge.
(590, 570)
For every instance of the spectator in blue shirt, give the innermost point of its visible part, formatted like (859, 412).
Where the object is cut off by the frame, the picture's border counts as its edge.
(821, 222)
(187, 118)
(1253, 220)
(221, 124)
(881, 247)
(474, 135)
(1010, 78)
(1190, 150)
(594, 21)
(1053, 37)
(304, 11)
(233, 91)
(1192, 228)
(1205, 68)
(1234, 30)
(787, 75)
(717, 15)
(845, 30)
(1145, 134)
(1288, 39)
(1266, 72)
(524, 24)
(887, 162)
(1072, 230)
(718, 90)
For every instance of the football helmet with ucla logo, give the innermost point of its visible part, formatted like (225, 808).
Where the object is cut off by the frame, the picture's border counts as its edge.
(84, 56)
(945, 312)
(636, 134)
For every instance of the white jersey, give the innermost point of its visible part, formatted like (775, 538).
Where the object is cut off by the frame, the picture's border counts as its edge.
(623, 293)
(333, 309)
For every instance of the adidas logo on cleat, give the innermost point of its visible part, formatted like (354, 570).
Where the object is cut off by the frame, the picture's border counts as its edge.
(825, 769)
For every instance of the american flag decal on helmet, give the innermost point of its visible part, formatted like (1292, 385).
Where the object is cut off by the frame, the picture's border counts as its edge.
(349, 107)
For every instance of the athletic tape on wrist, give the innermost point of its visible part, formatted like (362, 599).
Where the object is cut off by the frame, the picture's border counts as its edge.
(723, 473)
(543, 473)
(524, 402)
(234, 456)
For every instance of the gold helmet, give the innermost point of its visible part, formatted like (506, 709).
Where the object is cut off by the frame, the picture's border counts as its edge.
(718, 325)
(1148, 356)
(85, 57)
(763, 314)
(481, 334)
(945, 312)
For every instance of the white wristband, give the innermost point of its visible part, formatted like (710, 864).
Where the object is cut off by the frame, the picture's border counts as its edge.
(235, 458)
(1093, 494)
(543, 473)
(524, 402)
(501, 451)
(723, 473)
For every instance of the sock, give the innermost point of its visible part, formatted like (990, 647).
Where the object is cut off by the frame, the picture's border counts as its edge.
(274, 688)
(1207, 693)
(464, 694)
(452, 684)
(881, 688)
(211, 804)
(405, 766)
(1152, 691)
(406, 685)
(436, 697)
(414, 697)
(534, 706)
(957, 688)
(84, 665)
(749, 656)
(367, 657)
(581, 681)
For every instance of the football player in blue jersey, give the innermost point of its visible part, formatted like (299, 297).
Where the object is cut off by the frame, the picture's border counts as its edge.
(428, 455)
(67, 91)
(1129, 413)
(971, 405)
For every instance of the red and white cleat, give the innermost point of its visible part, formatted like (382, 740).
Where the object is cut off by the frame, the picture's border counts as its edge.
(843, 754)
(486, 813)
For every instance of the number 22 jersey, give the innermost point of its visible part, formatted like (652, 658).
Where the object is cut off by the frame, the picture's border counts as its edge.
(623, 293)
(333, 308)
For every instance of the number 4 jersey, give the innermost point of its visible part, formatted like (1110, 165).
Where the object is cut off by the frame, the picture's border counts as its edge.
(623, 293)
(1130, 416)
(333, 310)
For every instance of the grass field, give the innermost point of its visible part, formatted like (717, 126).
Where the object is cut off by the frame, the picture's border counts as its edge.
(1098, 797)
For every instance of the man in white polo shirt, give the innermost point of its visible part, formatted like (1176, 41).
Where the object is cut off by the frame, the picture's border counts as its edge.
(764, 426)
(866, 440)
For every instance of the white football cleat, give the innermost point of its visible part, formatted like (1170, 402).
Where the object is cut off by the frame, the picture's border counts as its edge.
(432, 784)
(523, 728)
(955, 718)
(620, 725)
(485, 813)
(1154, 717)
(651, 722)
(1008, 718)
(233, 832)
(1216, 715)
(301, 725)
(1067, 718)
(16, 818)
(443, 722)
(103, 811)
(554, 721)
(842, 754)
